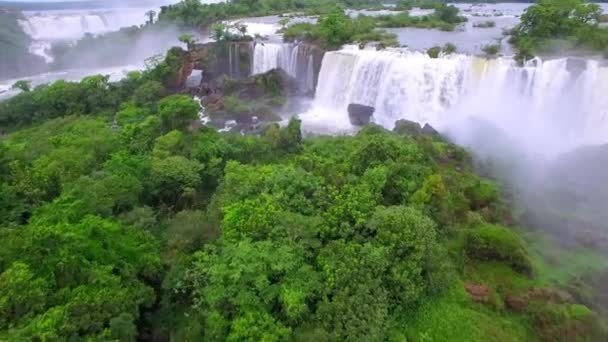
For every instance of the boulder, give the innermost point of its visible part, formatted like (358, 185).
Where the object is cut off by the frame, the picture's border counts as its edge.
(407, 127)
(360, 115)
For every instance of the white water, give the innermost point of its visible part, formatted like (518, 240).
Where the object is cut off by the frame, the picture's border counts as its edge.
(69, 25)
(548, 107)
(292, 58)
(268, 56)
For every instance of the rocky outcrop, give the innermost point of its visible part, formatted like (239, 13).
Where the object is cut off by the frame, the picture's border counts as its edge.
(407, 127)
(413, 129)
(360, 115)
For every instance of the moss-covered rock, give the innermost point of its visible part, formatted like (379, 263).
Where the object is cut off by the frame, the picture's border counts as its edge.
(497, 243)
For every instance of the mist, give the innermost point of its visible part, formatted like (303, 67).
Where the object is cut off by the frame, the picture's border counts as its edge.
(92, 35)
(540, 130)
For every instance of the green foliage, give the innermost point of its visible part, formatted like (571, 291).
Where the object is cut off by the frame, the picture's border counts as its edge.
(130, 223)
(336, 29)
(497, 243)
(177, 112)
(491, 49)
(550, 25)
(91, 273)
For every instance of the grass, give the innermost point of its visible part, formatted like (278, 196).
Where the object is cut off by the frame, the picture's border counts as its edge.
(454, 317)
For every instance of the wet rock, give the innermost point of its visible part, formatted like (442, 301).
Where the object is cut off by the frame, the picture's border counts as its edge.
(360, 115)
(407, 127)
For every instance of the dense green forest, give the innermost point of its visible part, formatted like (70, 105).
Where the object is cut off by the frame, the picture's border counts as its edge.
(124, 220)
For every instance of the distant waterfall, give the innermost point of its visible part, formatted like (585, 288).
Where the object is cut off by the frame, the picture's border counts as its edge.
(295, 59)
(72, 25)
(550, 106)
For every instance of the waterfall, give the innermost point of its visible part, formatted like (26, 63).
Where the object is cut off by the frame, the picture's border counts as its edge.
(295, 59)
(548, 106)
(73, 24)
(234, 59)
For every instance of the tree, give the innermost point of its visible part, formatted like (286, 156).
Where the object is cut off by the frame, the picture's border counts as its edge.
(151, 14)
(90, 273)
(177, 112)
(251, 290)
(335, 29)
(189, 40)
(410, 239)
(175, 179)
(218, 32)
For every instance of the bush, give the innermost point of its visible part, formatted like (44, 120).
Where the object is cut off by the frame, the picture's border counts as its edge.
(449, 48)
(491, 49)
(434, 51)
(496, 243)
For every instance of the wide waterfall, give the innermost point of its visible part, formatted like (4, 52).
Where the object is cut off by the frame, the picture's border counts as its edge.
(547, 106)
(58, 25)
(295, 59)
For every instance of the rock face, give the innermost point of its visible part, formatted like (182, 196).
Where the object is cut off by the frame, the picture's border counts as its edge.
(360, 115)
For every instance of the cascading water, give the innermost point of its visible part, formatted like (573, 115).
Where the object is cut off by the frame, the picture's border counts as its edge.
(58, 25)
(547, 106)
(295, 59)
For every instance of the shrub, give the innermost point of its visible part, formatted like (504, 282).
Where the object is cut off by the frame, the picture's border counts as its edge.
(496, 243)
(449, 48)
(434, 51)
(491, 49)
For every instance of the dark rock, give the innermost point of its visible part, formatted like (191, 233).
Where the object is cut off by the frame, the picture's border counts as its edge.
(429, 130)
(360, 115)
(407, 127)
